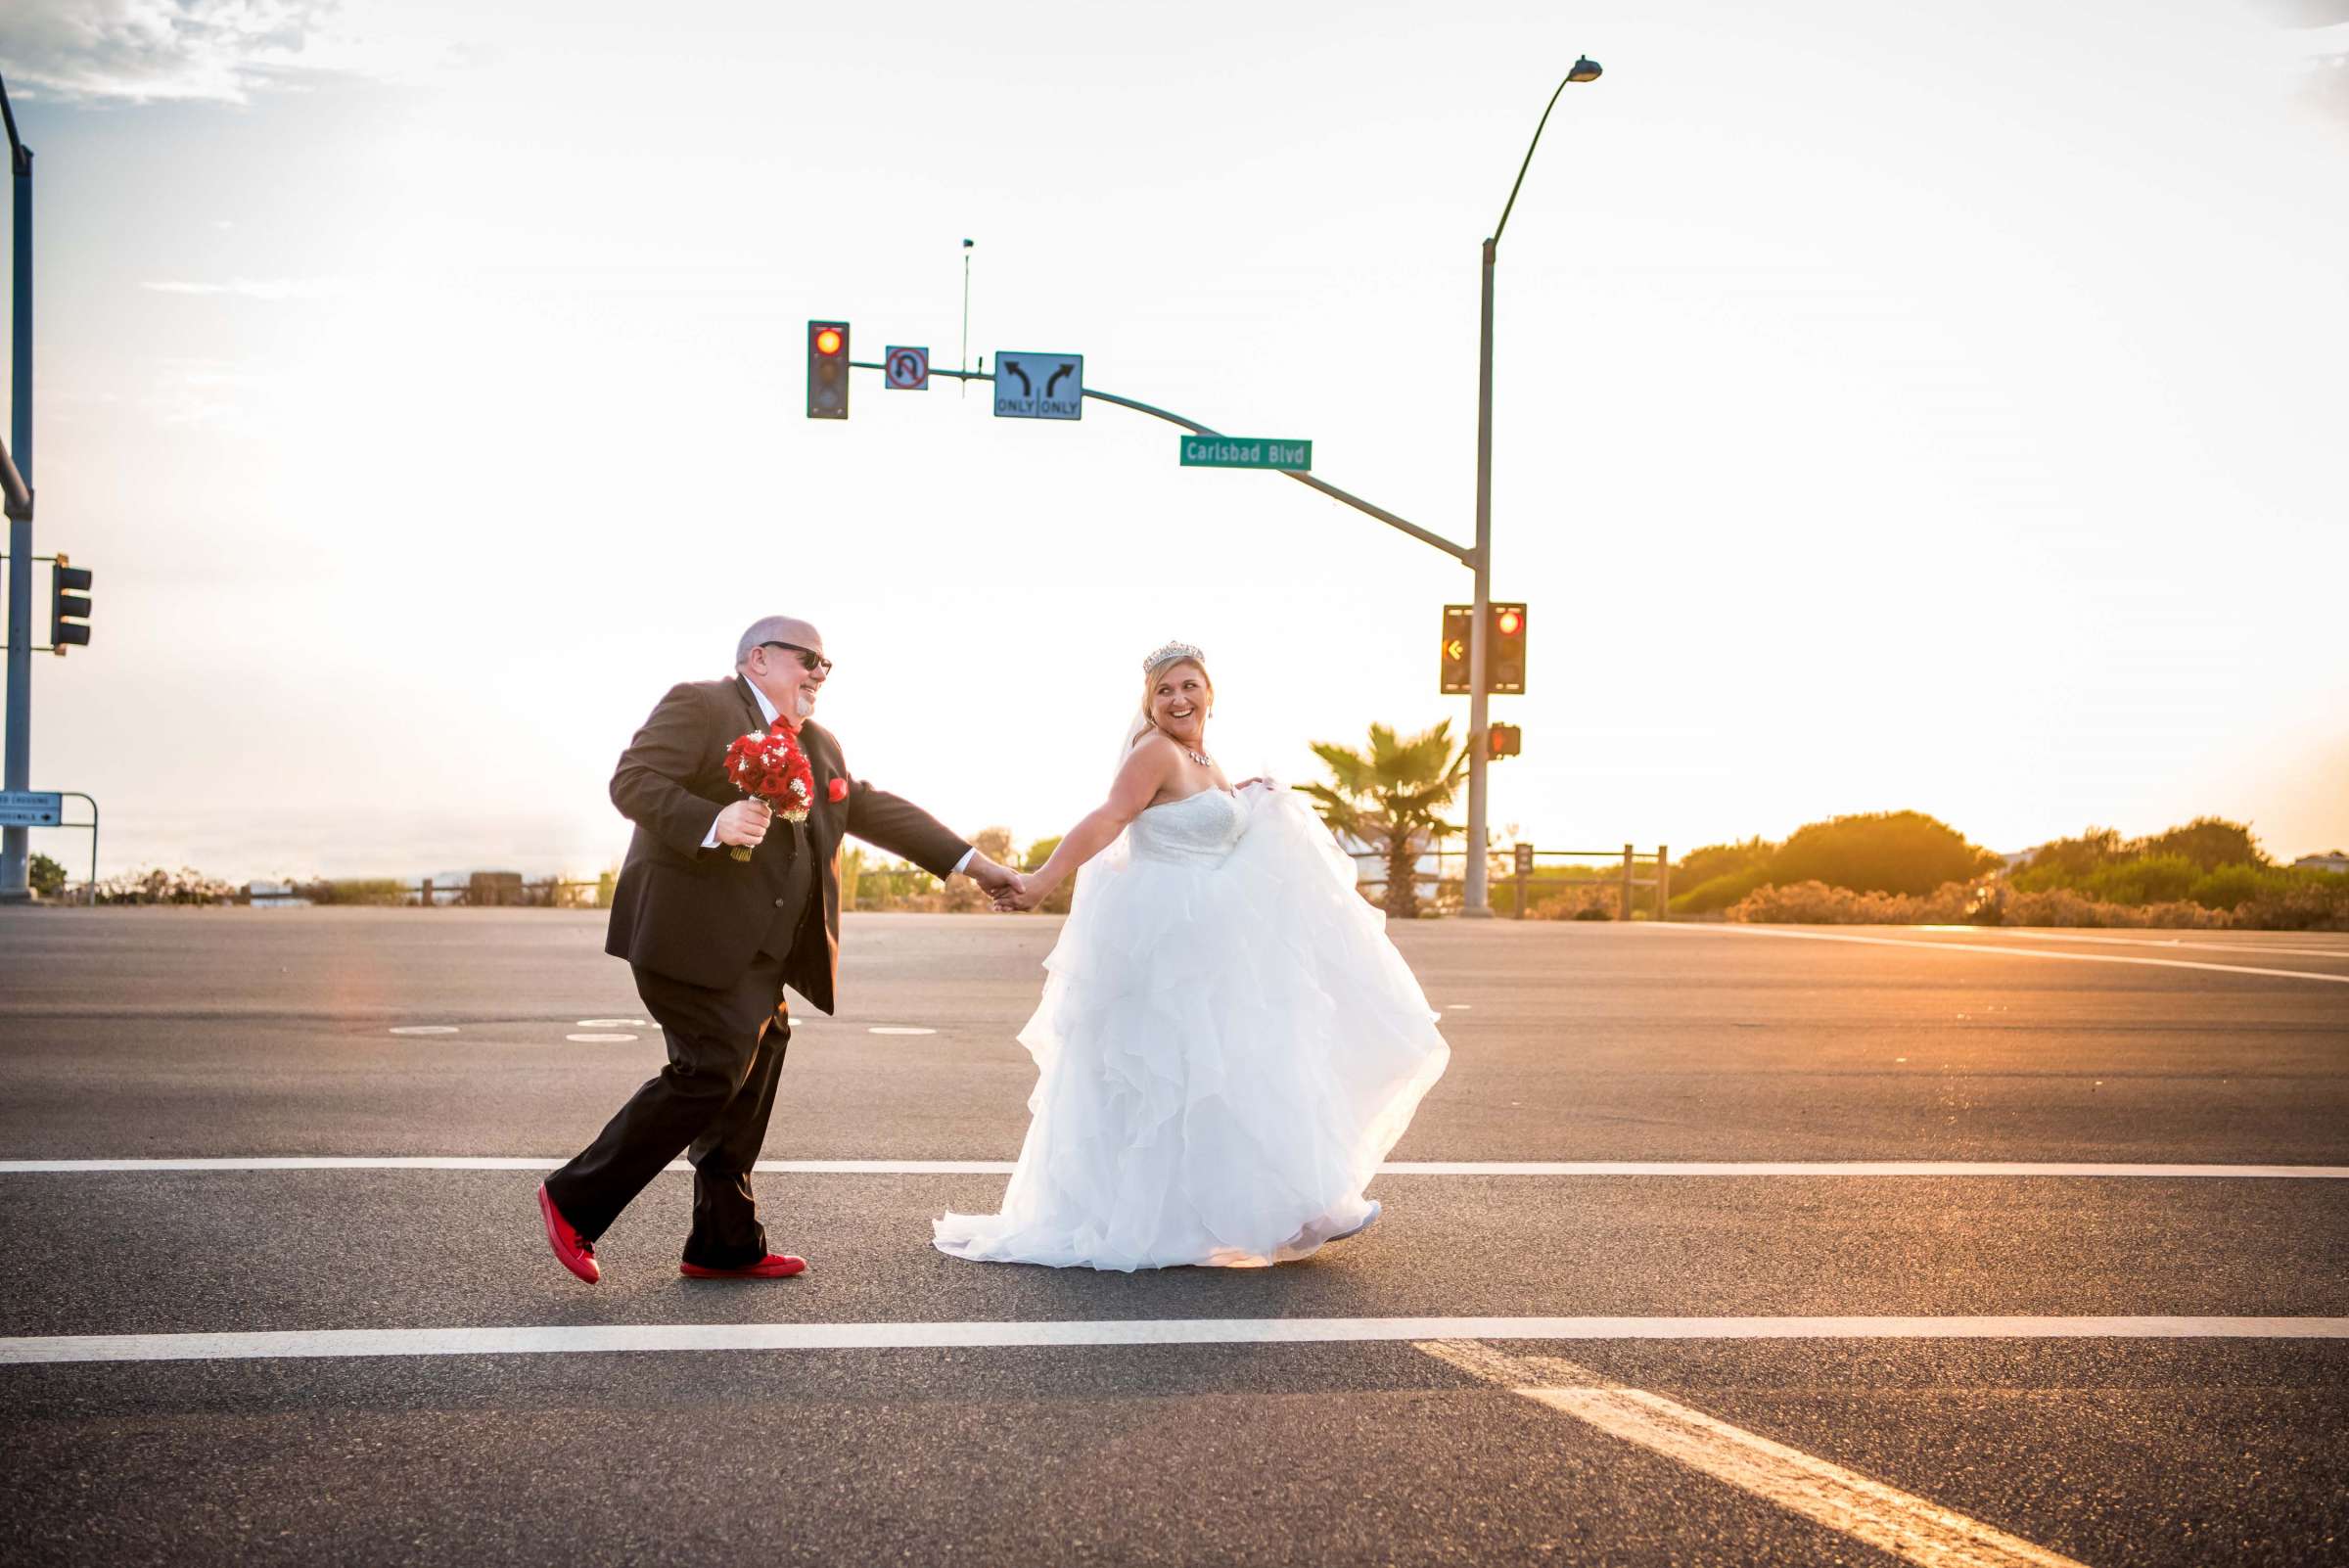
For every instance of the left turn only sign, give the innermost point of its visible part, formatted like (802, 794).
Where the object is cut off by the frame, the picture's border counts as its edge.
(906, 369)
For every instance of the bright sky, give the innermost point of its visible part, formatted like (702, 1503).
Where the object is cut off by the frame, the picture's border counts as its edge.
(1895, 409)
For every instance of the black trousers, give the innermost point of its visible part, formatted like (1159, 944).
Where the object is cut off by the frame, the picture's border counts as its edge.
(711, 1103)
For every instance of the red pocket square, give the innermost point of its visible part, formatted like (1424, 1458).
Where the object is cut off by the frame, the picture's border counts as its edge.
(837, 790)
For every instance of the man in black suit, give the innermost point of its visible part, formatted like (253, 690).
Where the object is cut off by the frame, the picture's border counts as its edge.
(713, 941)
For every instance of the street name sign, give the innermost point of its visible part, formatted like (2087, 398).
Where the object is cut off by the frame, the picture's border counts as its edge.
(31, 807)
(1247, 451)
(1040, 385)
(906, 369)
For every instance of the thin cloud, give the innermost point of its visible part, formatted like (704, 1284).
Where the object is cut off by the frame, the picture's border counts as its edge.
(157, 51)
(261, 288)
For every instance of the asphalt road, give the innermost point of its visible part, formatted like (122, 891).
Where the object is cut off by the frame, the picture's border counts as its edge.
(159, 1036)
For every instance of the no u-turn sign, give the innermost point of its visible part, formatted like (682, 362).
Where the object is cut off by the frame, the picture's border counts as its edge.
(906, 369)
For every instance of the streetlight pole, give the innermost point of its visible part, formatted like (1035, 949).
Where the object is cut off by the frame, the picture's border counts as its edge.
(1475, 900)
(16, 767)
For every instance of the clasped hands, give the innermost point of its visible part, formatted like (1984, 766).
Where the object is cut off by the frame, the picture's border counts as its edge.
(1006, 887)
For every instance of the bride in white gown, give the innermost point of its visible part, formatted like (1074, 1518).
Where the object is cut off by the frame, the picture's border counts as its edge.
(1228, 1043)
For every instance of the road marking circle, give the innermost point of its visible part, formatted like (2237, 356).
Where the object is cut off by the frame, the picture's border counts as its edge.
(425, 1028)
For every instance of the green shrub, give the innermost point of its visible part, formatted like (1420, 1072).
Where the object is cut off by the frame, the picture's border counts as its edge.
(1880, 851)
(2228, 885)
(2149, 879)
(2209, 842)
(2063, 862)
(1719, 893)
(1701, 865)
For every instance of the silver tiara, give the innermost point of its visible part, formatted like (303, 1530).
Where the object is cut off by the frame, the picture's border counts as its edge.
(1169, 653)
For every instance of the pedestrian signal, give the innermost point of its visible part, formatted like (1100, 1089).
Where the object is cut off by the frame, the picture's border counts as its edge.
(1503, 740)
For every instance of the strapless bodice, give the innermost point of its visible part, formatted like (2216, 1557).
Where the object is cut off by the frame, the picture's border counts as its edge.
(1198, 827)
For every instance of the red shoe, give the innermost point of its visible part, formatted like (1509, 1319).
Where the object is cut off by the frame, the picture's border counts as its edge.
(774, 1266)
(570, 1251)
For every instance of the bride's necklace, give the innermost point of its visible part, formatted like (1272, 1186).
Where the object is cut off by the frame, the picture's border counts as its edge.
(1197, 755)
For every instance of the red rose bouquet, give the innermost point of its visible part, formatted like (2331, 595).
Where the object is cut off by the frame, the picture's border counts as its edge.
(771, 767)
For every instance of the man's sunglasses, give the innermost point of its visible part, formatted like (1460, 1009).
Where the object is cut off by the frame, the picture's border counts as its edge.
(810, 659)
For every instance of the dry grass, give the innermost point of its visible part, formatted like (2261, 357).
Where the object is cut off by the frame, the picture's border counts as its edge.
(1814, 904)
(2304, 906)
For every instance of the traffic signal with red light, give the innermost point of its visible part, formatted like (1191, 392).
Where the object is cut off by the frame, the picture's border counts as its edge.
(1503, 740)
(827, 370)
(69, 606)
(1504, 650)
(1454, 674)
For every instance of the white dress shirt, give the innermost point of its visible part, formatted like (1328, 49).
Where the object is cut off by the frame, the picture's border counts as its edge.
(767, 713)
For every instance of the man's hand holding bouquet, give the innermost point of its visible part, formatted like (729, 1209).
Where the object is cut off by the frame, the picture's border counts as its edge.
(772, 770)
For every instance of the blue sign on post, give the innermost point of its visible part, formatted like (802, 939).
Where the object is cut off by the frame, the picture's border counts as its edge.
(31, 807)
(1040, 385)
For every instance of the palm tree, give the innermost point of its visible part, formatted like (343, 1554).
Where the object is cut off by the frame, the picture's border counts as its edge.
(1389, 798)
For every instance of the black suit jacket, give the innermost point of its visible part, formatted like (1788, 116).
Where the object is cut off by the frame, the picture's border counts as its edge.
(700, 915)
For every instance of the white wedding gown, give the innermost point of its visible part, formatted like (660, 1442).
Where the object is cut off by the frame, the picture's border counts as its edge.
(1228, 1045)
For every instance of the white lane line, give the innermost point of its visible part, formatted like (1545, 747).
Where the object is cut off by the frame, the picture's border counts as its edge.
(612, 1023)
(2007, 952)
(425, 1028)
(467, 1162)
(597, 1038)
(1846, 1502)
(1395, 1168)
(1842, 1168)
(2252, 950)
(41, 1349)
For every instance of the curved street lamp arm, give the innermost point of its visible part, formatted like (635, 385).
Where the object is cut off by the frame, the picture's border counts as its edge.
(20, 157)
(18, 497)
(1528, 164)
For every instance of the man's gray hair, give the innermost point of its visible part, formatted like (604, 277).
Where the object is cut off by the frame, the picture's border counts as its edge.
(766, 628)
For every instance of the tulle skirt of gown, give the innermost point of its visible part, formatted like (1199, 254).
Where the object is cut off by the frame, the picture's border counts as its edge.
(1227, 1046)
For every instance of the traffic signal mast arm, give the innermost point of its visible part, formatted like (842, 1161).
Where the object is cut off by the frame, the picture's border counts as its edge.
(1460, 553)
(19, 493)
